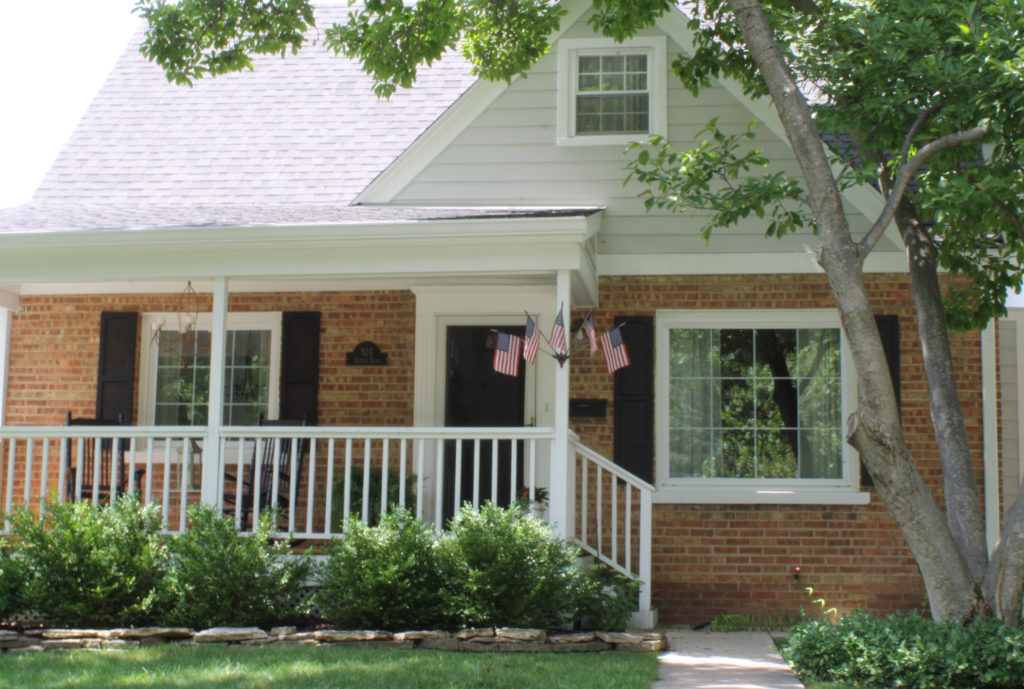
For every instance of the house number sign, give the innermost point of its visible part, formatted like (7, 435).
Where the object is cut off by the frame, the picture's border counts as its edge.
(366, 354)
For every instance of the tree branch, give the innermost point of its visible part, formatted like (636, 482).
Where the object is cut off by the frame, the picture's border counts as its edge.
(906, 174)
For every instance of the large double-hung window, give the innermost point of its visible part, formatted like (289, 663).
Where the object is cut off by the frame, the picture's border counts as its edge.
(752, 398)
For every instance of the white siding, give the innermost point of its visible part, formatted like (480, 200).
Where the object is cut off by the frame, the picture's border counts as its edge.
(508, 155)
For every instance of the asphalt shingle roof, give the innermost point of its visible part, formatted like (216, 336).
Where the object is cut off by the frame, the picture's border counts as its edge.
(296, 138)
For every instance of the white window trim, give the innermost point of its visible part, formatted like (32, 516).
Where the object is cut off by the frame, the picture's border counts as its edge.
(263, 320)
(569, 48)
(762, 491)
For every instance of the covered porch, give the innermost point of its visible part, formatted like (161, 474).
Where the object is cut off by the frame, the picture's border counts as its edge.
(375, 435)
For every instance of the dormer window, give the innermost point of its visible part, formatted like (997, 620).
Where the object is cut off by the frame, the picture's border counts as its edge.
(610, 94)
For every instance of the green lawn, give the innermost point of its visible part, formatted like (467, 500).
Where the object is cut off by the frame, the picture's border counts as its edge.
(305, 667)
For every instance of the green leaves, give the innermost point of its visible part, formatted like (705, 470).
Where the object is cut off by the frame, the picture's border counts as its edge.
(714, 176)
(195, 38)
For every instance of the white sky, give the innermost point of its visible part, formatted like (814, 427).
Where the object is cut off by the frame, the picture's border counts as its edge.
(54, 56)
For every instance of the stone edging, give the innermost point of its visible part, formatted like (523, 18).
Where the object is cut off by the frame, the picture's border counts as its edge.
(500, 639)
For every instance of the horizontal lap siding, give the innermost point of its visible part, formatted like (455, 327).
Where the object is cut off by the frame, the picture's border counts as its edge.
(714, 559)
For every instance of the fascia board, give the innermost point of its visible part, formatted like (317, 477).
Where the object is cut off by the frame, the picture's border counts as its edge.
(486, 246)
(451, 123)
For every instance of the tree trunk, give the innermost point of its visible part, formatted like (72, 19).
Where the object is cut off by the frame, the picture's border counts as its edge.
(874, 430)
(963, 502)
(1004, 580)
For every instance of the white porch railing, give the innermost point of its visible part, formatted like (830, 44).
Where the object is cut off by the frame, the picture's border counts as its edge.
(338, 471)
(613, 518)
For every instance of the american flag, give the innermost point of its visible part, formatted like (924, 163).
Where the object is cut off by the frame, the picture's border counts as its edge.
(588, 328)
(615, 356)
(507, 349)
(558, 341)
(531, 343)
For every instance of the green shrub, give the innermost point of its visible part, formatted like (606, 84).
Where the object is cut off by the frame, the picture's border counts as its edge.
(605, 599)
(217, 577)
(508, 569)
(907, 651)
(356, 494)
(11, 580)
(383, 577)
(85, 565)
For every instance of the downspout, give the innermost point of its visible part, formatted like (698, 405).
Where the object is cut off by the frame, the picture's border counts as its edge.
(990, 433)
(5, 348)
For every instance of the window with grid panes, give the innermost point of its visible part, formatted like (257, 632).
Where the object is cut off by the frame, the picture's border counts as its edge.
(612, 94)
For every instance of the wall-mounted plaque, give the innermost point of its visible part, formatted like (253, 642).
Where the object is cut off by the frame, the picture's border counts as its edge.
(366, 354)
(597, 409)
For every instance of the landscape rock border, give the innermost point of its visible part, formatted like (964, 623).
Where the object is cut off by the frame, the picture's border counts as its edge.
(487, 639)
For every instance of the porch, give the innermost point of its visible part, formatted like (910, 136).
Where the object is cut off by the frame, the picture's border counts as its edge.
(320, 476)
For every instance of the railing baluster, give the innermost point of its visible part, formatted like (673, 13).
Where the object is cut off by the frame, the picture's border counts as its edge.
(476, 473)
(115, 450)
(12, 449)
(79, 469)
(531, 458)
(29, 451)
(149, 469)
(439, 485)
(614, 490)
(384, 476)
(275, 483)
(494, 471)
(366, 480)
(584, 503)
(97, 453)
(240, 481)
(43, 471)
(401, 472)
(419, 478)
(257, 481)
(167, 482)
(629, 527)
(348, 478)
(312, 482)
(328, 507)
(131, 465)
(457, 488)
(599, 509)
(62, 469)
(293, 485)
(186, 459)
(514, 472)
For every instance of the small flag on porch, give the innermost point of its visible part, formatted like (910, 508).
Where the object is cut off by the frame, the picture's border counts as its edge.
(507, 349)
(615, 355)
(558, 341)
(588, 328)
(531, 343)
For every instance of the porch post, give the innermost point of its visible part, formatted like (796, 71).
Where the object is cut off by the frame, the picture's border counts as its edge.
(558, 488)
(210, 494)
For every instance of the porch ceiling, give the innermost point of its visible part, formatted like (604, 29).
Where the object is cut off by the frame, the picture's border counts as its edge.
(392, 246)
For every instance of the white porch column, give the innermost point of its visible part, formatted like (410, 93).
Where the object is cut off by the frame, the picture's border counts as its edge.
(210, 494)
(5, 348)
(558, 487)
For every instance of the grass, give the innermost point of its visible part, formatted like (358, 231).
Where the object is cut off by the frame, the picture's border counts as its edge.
(304, 667)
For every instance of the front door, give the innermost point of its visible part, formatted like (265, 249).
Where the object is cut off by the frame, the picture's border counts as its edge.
(476, 395)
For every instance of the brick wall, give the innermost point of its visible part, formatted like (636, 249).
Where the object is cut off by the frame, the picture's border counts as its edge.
(55, 345)
(713, 559)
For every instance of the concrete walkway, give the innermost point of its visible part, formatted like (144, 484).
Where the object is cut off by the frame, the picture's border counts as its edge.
(723, 660)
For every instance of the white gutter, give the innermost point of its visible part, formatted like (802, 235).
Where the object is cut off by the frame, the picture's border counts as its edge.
(990, 433)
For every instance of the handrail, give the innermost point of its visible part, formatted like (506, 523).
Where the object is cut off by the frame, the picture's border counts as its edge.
(427, 432)
(610, 466)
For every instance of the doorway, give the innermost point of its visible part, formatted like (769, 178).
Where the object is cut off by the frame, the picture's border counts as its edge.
(476, 395)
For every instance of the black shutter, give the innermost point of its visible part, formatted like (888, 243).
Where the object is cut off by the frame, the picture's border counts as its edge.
(115, 380)
(889, 331)
(634, 399)
(300, 365)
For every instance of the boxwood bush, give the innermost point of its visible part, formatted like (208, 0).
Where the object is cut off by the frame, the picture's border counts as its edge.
(907, 651)
(11, 581)
(508, 568)
(218, 577)
(87, 565)
(384, 577)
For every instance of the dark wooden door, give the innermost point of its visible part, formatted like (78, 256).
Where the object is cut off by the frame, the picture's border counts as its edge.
(476, 395)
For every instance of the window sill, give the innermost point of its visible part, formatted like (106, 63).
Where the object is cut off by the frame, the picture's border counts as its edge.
(603, 139)
(716, 495)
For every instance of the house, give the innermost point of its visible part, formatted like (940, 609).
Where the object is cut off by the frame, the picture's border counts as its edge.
(280, 243)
